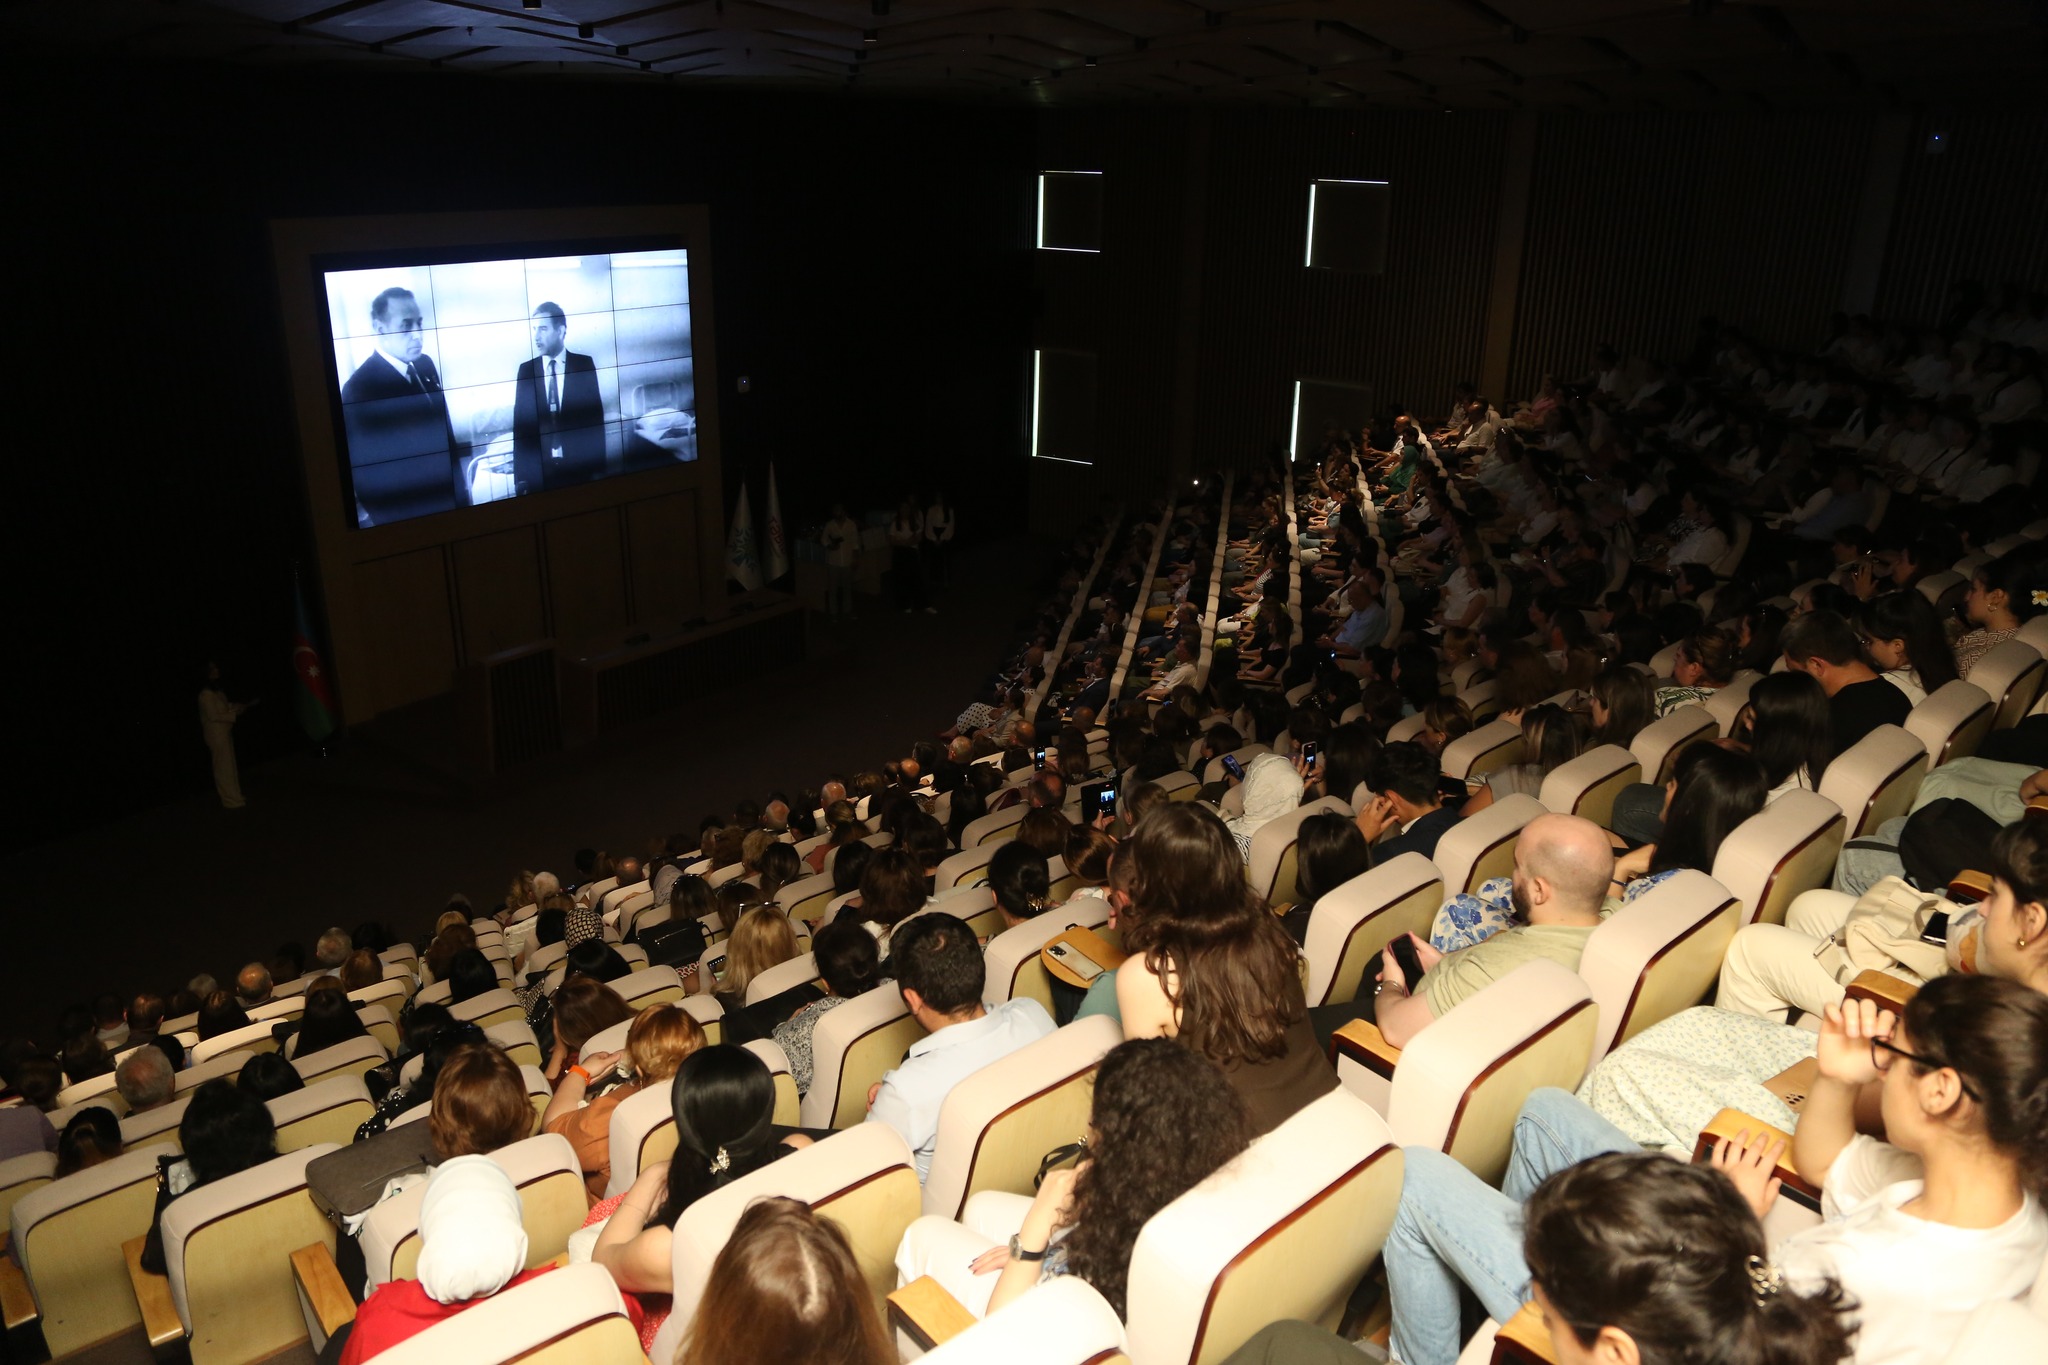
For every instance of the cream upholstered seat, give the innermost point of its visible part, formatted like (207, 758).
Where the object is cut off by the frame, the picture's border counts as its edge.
(2034, 631)
(805, 900)
(1061, 1321)
(328, 1112)
(1284, 1231)
(437, 993)
(1483, 846)
(783, 975)
(1788, 847)
(542, 959)
(1401, 731)
(571, 1316)
(1274, 859)
(1726, 703)
(1482, 700)
(21, 1174)
(862, 1179)
(390, 992)
(1588, 784)
(156, 1125)
(1935, 584)
(1014, 968)
(492, 1007)
(225, 1067)
(1214, 770)
(709, 1014)
(88, 1090)
(2011, 675)
(649, 986)
(1483, 749)
(851, 1047)
(1350, 925)
(1665, 661)
(381, 1022)
(1876, 778)
(289, 1008)
(1657, 955)
(1460, 1082)
(1658, 744)
(1952, 721)
(967, 868)
(643, 1126)
(552, 1205)
(993, 828)
(975, 905)
(251, 1038)
(516, 1037)
(67, 1238)
(227, 1252)
(632, 954)
(997, 1124)
(1179, 785)
(787, 1102)
(351, 1058)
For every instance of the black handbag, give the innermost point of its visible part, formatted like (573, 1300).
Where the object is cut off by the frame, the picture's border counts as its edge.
(674, 943)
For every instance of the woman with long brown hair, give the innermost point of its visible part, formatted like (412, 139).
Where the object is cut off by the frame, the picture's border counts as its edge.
(786, 1287)
(1211, 965)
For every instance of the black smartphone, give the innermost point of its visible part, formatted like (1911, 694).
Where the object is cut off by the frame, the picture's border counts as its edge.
(1098, 798)
(1411, 963)
(1308, 752)
(1936, 931)
(1038, 758)
(1233, 767)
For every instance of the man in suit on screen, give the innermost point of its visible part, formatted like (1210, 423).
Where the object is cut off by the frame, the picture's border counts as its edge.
(558, 416)
(402, 450)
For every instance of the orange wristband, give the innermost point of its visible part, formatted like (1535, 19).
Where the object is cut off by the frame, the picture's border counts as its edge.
(579, 1071)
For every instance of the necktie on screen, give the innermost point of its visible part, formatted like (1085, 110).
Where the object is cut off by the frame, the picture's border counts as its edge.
(553, 403)
(413, 377)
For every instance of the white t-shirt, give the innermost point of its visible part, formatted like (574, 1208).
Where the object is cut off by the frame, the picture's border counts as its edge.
(1914, 1281)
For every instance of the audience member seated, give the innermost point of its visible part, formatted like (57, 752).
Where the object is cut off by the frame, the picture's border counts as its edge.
(761, 938)
(1706, 663)
(2004, 594)
(217, 1015)
(1211, 966)
(1551, 738)
(330, 1018)
(1272, 788)
(1902, 634)
(1145, 1149)
(892, 886)
(584, 1007)
(1020, 880)
(1787, 730)
(23, 1128)
(786, 1286)
(1329, 851)
(1825, 645)
(224, 1132)
(145, 1080)
(252, 987)
(1724, 795)
(939, 969)
(268, 1075)
(93, 1135)
(850, 964)
(1405, 793)
(660, 1039)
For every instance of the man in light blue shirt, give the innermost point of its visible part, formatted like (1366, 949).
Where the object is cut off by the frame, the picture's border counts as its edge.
(1365, 628)
(939, 969)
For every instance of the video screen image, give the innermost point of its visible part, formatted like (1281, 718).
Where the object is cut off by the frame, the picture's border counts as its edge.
(466, 382)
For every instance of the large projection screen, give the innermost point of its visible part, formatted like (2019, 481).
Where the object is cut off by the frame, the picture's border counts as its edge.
(460, 510)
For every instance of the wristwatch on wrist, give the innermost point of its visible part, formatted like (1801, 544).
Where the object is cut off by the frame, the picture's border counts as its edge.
(1018, 1253)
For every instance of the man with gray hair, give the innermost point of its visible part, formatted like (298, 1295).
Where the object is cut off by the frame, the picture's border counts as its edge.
(252, 986)
(145, 1079)
(332, 950)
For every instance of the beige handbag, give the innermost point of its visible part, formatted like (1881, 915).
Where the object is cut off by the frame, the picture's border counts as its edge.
(1883, 932)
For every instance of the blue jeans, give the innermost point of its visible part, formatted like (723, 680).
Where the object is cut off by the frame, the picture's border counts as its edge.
(1452, 1227)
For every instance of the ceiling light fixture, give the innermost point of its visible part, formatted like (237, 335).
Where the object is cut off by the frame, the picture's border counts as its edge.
(529, 4)
(1088, 62)
(870, 36)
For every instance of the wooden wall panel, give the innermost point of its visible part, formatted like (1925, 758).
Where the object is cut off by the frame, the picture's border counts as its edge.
(661, 536)
(586, 576)
(1638, 225)
(403, 601)
(1977, 211)
(498, 589)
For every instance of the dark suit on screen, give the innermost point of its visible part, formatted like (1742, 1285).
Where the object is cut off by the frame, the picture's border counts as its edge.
(576, 426)
(402, 452)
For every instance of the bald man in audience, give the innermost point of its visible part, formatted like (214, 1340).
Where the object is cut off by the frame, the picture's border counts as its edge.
(252, 985)
(330, 952)
(833, 790)
(145, 1080)
(145, 1017)
(632, 874)
(1563, 864)
(775, 815)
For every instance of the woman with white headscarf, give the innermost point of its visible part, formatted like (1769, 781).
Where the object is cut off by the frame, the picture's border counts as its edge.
(1272, 788)
(472, 1244)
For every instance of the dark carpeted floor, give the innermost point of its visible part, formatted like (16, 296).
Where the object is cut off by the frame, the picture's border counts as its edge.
(368, 834)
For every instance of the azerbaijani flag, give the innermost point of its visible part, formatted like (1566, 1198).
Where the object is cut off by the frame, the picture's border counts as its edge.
(315, 700)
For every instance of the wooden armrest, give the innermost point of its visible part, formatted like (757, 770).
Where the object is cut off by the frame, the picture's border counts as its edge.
(325, 1297)
(1968, 887)
(1882, 989)
(927, 1314)
(153, 1296)
(1524, 1340)
(1090, 945)
(2037, 805)
(1362, 1041)
(1729, 1122)
(17, 1304)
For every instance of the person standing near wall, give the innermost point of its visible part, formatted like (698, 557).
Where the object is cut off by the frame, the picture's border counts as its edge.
(217, 717)
(906, 559)
(938, 541)
(841, 540)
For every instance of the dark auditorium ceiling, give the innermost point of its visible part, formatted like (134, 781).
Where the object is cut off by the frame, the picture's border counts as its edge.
(1416, 54)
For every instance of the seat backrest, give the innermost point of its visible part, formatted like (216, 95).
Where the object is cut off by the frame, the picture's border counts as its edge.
(643, 1131)
(492, 1007)
(985, 828)
(543, 958)
(1461, 1081)
(976, 905)
(225, 1067)
(351, 1058)
(1876, 779)
(389, 992)
(1402, 730)
(89, 1090)
(1953, 720)
(1015, 970)
(1665, 661)
(1350, 925)
(1788, 847)
(251, 1038)
(649, 986)
(227, 1250)
(997, 1124)
(156, 1125)
(552, 1204)
(783, 975)
(1483, 846)
(1657, 955)
(805, 900)
(1179, 785)
(517, 1039)
(290, 1008)
(2034, 631)
(1724, 704)
(1061, 1321)
(1479, 751)
(437, 993)
(862, 1179)
(1658, 744)
(571, 1316)
(787, 1102)
(851, 1047)
(1482, 700)
(1285, 1231)
(968, 867)
(1588, 784)
(1935, 584)
(381, 1021)
(2010, 674)
(67, 1239)
(328, 1112)
(1273, 864)
(21, 1174)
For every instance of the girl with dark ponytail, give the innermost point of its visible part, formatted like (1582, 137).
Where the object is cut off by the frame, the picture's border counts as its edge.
(1635, 1248)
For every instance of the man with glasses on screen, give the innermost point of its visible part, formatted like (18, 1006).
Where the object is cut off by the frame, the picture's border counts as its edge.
(402, 450)
(558, 416)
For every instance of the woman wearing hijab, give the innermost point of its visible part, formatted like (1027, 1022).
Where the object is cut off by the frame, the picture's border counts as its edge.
(472, 1244)
(1272, 788)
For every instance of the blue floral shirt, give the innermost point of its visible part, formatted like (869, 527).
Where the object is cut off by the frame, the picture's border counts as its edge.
(1475, 918)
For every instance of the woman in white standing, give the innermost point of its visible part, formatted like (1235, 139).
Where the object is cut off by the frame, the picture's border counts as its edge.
(217, 717)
